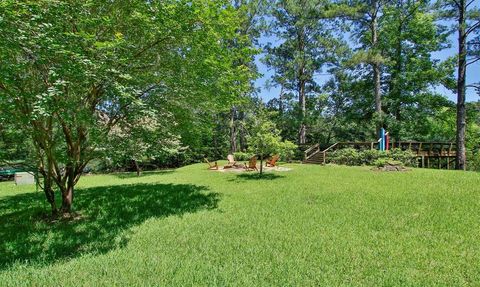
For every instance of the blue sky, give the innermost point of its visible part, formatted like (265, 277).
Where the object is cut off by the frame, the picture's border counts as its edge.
(473, 74)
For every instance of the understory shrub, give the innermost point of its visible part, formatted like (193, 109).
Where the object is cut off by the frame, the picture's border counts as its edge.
(473, 160)
(368, 157)
(242, 156)
(350, 156)
(287, 151)
(404, 156)
(346, 156)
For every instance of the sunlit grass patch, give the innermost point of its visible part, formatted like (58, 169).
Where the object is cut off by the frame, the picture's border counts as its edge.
(312, 225)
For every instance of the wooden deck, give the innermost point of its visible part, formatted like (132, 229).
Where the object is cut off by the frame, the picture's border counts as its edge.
(428, 154)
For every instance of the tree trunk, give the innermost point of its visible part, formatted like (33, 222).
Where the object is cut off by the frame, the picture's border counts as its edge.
(243, 138)
(233, 131)
(49, 194)
(461, 89)
(67, 191)
(301, 88)
(280, 101)
(303, 110)
(303, 132)
(376, 68)
(396, 80)
(261, 164)
(137, 167)
(378, 100)
(215, 137)
(67, 199)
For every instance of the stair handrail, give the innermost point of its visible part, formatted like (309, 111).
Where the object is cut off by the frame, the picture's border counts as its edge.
(330, 147)
(311, 148)
(325, 152)
(307, 152)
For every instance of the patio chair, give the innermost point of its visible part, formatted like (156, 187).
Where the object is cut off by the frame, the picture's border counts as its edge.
(231, 162)
(211, 166)
(272, 162)
(252, 164)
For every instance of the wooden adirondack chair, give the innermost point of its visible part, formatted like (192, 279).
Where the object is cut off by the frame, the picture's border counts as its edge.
(211, 166)
(252, 164)
(272, 162)
(231, 162)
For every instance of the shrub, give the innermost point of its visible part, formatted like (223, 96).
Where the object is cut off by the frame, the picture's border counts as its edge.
(473, 160)
(370, 156)
(287, 151)
(350, 156)
(98, 166)
(242, 156)
(347, 156)
(404, 156)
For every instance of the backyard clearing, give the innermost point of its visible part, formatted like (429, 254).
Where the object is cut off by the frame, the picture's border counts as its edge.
(311, 226)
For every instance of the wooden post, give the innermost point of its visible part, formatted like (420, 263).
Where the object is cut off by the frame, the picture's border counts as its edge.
(423, 161)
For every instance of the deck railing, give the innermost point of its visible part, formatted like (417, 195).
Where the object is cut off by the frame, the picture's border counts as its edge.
(420, 149)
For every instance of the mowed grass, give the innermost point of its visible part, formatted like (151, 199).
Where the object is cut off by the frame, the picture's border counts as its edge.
(311, 226)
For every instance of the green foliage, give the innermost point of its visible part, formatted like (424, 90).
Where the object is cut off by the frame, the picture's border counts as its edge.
(406, 157)
(264, 138)
(242, 156)
(14, 144)
(306, 46)
(287, 150)
(347, 156)
(342, 109)
(144, 140)
(92, 79)
(371, 155)
(473, 159)
(353, 157)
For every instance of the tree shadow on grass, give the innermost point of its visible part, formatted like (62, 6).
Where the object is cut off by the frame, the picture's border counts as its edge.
(106, 214)
(257, 176)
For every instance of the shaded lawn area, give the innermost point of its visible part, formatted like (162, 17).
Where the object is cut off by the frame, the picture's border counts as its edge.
(310, 226)
(106, 212)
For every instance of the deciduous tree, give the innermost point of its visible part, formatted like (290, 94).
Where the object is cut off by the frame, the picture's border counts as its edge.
(74, 71)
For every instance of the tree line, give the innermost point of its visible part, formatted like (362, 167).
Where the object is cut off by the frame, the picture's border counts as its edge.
(379, 54)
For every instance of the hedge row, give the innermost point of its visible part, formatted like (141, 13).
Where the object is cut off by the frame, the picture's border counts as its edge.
(350, 156)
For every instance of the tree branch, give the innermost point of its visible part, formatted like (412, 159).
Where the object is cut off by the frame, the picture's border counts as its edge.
(473, 61)
(113, 120)
(458, 4)
(148, 47)
(471, 29)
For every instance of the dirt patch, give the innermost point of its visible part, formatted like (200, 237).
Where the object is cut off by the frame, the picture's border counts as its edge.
(242, 169)
(391, 167)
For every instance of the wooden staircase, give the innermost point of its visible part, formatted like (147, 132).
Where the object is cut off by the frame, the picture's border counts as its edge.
(317, 158)
(314, 155)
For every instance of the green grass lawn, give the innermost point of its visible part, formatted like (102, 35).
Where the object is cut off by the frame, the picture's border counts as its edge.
(311, 226)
